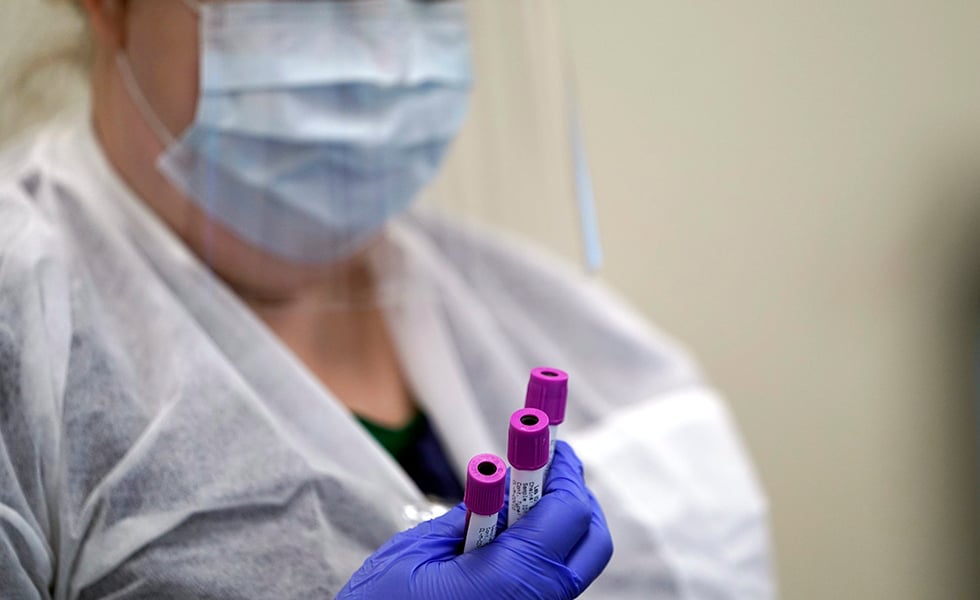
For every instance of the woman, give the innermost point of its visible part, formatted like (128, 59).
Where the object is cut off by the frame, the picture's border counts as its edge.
(230, 369)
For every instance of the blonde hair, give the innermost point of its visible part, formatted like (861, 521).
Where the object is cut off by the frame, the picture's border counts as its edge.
(44, 54)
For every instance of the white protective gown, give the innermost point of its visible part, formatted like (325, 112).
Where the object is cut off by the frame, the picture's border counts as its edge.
(157, 441)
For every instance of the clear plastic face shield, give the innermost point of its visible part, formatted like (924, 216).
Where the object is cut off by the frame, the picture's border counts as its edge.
(326, 129)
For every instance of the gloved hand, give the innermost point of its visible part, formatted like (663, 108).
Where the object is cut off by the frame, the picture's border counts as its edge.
(553, 553)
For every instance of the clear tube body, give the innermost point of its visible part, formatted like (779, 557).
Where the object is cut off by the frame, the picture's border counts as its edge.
(553, 434)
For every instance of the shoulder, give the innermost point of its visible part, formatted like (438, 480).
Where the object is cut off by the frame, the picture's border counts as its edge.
(555, 314)
(30, 232)
(34, 288)
(34, 340)
(35, 304)
(653, 434)
(30, 242)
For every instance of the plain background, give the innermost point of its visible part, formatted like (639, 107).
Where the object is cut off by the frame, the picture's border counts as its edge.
(793, 190)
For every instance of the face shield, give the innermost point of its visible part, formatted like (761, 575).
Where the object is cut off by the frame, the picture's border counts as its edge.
(520, 163)
(324, 127)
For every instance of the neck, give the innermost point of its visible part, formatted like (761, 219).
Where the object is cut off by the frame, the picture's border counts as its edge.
(348, 349)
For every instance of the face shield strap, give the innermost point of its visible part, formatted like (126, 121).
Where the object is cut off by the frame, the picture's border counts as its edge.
(584, 188)
(584, 191)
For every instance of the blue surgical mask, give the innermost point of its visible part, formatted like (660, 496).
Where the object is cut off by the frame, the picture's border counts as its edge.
(318, 121)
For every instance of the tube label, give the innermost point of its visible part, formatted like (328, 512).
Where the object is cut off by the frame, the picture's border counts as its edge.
(525, 491)
(480, 531)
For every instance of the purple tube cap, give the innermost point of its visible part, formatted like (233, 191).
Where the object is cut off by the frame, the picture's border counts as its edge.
(528, 440)
(486, 481)
(547, 390)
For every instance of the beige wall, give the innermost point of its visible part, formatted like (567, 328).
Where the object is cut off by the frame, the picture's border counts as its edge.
(793, 189)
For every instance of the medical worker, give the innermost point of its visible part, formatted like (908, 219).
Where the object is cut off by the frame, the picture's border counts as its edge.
(233, 364)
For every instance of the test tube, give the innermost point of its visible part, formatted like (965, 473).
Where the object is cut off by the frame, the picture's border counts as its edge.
(486, 478)
(547, 390)
(527, 451)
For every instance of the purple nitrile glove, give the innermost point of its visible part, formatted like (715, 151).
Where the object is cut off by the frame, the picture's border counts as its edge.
(553, 553)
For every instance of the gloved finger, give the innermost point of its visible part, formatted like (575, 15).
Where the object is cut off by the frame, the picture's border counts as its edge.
(565, 461)
(564, 513)
(450, 525)
(594, 550)
(441, 532)
(433, 540)
(568, 456)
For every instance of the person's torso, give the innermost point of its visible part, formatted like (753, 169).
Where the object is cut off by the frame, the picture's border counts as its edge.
(191, 455)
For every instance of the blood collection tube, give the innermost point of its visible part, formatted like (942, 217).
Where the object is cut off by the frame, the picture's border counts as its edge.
(486, 480)
(547, 390)
(527, 451)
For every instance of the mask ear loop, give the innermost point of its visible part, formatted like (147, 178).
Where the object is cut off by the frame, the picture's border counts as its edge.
(194, 5)
(142, 104)
(135, 92)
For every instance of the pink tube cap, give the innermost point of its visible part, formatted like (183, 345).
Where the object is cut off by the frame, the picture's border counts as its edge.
(486, 481)
(528, 439)
(547, 390)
